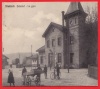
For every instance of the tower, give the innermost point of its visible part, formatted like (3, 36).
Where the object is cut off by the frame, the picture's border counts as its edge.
(75, 23)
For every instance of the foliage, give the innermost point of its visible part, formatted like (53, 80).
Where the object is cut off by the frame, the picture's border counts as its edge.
(92, 35)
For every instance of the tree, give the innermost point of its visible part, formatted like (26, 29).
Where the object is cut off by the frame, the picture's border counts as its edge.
(92, 14)
(92, 35)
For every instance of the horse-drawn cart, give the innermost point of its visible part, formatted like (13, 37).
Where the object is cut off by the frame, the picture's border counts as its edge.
(32, 76)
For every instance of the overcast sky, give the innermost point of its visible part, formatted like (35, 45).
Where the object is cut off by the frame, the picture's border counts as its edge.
(24, 26)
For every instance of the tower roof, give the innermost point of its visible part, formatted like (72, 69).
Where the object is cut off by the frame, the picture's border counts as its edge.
(73, 7)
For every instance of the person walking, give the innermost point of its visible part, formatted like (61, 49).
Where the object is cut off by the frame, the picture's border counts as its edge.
(58, 70)
(11, 77)
(45, 71)
(23, 75)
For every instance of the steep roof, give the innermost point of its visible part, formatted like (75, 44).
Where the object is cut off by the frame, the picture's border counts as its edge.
(58, 26)
(74, 7)
(42, 49)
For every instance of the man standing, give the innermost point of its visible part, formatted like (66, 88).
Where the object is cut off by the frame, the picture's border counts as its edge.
(58, 70)
(23, 74)
(39, 74)
(45, 71)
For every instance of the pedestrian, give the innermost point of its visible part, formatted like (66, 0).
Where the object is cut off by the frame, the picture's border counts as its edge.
(11, 77)
(58, 70)
(23, 75)
(39, 74)
(45, 71)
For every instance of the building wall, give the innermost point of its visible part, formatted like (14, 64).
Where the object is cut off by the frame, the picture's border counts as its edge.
(79, 45)
(4, 63)
(57, 49)
(83, 48)
(73, 31)
(74, 47)
(42, 54)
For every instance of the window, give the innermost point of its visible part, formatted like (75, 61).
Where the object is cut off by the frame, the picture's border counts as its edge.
(53, 42)
(71, 39)
(71, 57)
(41, 60)
(59, 58)
(59, 41)
(48, 44)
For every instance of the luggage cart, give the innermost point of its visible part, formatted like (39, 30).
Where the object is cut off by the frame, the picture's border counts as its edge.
(32, 77)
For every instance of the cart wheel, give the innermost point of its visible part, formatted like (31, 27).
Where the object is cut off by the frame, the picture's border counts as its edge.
(28, 81)
(37, 81)
(52, 75)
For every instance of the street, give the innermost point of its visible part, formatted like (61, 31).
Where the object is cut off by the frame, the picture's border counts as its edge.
(75, 77)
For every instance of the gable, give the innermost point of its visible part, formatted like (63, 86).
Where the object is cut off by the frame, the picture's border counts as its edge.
(51, 27)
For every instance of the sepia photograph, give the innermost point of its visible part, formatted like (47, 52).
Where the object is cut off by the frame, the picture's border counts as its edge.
(49, 44)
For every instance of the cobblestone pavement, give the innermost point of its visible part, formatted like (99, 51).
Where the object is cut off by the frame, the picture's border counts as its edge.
(76, 77)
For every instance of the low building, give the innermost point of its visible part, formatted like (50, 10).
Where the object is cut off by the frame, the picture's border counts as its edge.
(30, 61)
(4, 61)
(41, 58)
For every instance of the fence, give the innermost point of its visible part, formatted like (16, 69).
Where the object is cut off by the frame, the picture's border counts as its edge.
(93, 71)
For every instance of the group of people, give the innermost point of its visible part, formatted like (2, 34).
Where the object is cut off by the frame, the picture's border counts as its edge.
(24, 70)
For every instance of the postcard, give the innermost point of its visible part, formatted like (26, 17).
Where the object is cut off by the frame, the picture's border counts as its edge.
(50, 44)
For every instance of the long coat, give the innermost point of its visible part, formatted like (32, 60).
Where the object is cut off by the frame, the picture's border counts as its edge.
(11, 77)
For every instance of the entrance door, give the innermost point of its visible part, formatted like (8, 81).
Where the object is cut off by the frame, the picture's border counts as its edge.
(71, 58)
(50, 59)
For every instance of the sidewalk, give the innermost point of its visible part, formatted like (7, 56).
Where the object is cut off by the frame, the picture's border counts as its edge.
(75, 77)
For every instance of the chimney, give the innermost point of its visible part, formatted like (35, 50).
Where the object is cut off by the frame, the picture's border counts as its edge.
(63, 18)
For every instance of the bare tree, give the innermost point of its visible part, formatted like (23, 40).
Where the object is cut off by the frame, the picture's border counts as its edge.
(92, 34)
(92, 14)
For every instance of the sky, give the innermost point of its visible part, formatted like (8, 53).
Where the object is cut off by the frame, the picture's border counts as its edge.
(24, 26)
